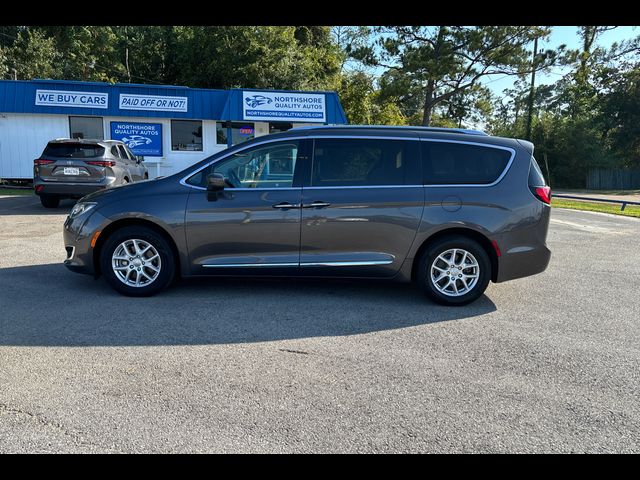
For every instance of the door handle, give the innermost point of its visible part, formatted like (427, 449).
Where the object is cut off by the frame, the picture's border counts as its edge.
(286, 206)
(315, 205)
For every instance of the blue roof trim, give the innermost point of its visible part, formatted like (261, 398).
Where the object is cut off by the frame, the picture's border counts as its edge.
(18, 96)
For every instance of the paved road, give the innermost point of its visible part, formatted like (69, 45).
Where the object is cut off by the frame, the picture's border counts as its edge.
(544, 364)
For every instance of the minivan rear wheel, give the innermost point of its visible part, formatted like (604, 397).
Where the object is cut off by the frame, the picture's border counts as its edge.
(49, 201)
(137, 261)
(454, 270)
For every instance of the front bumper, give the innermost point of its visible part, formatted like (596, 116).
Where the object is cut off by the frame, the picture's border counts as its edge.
(77, 234)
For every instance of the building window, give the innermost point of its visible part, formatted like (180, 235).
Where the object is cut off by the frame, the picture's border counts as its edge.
(186, 135)
(275, 127)
(240, 131)
(86, 127)
(221, 133)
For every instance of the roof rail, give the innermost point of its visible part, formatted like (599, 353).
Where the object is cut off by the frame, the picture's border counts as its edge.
(398, 127)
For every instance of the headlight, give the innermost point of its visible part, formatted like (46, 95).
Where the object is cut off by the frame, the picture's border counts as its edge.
(81, 208)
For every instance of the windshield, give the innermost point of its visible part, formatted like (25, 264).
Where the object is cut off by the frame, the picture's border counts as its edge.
(73, 150)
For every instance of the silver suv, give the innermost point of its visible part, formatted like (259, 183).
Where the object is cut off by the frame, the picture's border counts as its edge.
(449, 209)
(72, 168)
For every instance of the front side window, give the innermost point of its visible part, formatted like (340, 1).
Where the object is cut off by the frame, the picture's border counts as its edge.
(86, 127)
(269, 166)
(446, 163)
(363, 162)
(186, 135)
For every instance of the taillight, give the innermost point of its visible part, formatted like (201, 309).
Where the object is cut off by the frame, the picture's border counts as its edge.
(101, 163)
(542, 193)
(42, 161)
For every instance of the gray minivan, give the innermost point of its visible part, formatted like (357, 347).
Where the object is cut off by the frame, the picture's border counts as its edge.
(449, 209)
(73, 167)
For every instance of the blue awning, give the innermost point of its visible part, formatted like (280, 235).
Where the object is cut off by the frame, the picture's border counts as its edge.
(61, 97)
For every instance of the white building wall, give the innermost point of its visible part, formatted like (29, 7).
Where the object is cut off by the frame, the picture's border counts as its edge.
(23, 138)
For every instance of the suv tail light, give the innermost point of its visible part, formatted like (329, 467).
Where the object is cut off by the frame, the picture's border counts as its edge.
(542, 193)
(101, 163)
(43, 161)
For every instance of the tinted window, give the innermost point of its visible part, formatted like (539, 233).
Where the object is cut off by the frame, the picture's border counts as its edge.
(115, 152)
(123, 152)
(461, 164)
(86, 127)
(72, 150)
(536, 179)
(270, 166)
(362, 162)
(186, 135)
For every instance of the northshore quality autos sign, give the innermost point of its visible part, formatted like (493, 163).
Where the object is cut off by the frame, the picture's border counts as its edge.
(284, 106)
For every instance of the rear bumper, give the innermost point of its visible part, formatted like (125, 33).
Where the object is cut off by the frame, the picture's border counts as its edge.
(70, 190)
(523, 262)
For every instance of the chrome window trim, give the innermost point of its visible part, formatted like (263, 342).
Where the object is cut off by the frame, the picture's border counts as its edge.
(473, 185)
(361, 186)
(374, 137)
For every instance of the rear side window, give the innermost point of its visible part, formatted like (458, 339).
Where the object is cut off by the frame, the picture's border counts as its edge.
(447, 163)
(72, 150)
(123, 152)
(363, 162)
(536, 179)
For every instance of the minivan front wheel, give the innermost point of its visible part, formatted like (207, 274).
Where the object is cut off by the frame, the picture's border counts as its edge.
(137, 261)
(454, 270)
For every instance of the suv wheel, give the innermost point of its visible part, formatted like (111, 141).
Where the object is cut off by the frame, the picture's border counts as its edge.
(454, 270)
(49, 201)
(137, 261)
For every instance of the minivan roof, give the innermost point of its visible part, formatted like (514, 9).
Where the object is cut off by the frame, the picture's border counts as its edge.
(391, 128)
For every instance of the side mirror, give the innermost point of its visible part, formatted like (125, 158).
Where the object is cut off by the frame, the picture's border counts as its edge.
(215, 184)
(139, 158)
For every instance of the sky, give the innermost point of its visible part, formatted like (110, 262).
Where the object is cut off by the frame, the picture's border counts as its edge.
(569, 36)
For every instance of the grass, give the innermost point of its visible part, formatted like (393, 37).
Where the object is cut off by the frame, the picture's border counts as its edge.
(600, 192)
(629, 210)
(15, 191)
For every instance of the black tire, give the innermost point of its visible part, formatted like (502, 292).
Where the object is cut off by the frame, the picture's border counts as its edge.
(49, 201)
(167, 266)
(442, 245)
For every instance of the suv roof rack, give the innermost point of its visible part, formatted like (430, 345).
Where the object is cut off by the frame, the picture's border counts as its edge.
(393, 127)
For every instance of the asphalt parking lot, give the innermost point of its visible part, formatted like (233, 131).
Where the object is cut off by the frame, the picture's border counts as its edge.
(549, 363)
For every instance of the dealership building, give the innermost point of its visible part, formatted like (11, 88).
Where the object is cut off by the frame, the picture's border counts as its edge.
(172, 127)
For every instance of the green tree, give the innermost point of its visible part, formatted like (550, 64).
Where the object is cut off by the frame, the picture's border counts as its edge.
(362, 103)
(32, 55)
(433, 64)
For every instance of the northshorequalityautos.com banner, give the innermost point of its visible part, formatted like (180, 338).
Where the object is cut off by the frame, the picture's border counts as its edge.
(142, 138)
(284, 107)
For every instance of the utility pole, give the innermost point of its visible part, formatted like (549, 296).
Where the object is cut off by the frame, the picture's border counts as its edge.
(532, 89)
(15, 73)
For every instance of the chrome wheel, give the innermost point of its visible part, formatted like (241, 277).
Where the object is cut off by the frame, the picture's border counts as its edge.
(136, 263)
(455, 272)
